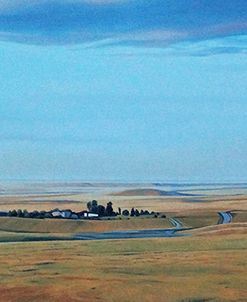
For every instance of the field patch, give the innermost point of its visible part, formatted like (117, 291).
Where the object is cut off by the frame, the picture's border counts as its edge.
(179, 269)
(28, 225)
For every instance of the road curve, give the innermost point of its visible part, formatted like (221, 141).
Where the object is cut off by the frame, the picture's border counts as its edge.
(225, 217)
(176, 223)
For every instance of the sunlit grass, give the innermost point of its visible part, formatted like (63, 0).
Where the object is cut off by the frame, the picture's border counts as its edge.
(170, 269)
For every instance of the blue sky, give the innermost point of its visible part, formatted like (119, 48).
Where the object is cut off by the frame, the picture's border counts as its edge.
(123, 90)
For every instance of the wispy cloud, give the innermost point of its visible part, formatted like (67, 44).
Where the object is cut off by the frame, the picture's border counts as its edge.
(142, 23)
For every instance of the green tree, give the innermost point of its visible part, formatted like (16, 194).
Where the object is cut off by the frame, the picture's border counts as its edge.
(109, 209)
(137, 213)
(94, 207)
(101, 210)
(89, 206)
(26, 214)
(126, 213)
(19, 213)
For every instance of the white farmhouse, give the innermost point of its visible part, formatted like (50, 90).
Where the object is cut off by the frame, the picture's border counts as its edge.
(61, 213)
(66, 213)
(56, 213)
(90, 215)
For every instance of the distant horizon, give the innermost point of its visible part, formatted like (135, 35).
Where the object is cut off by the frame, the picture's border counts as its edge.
(119, 181)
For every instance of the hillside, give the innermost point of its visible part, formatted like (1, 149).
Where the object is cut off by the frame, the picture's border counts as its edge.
(149, 192)
(78, 226)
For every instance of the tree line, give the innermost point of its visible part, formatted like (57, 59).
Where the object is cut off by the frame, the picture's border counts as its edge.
(108, 211)
(92, 207)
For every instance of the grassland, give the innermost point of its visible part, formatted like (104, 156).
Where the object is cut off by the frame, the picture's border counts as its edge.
(177, 205)
(171, 270)
(208, 265)
(7, 237)
(198, 220)
(220, 230)
(27, 225)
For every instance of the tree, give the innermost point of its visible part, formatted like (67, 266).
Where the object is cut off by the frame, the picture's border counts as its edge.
(12, 213)
(47, 215)
(137, 213)
(125, 213)
(94, 207)
(89, 206)
(26, 214)
(42, 214)
(101, 210)
(19, 213)
(35, 214)
(132, 212)
(109, 209)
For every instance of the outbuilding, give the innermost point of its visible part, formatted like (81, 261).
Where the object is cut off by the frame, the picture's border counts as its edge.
(90, 215)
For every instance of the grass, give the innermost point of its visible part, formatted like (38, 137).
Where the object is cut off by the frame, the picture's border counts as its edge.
(240, 216)
(171, 270)
(239, 227)
(77, 202)
(198, 220)
(208, 266)
(21, 237)
(12, 224)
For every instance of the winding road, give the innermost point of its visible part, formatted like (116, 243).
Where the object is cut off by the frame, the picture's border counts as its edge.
(135, 234)
(176, 223)
(128, 234)
(225, 217)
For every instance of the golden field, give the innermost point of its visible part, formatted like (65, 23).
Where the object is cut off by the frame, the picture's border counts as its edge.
(171, 269)
(40, 262)
(13, 224)
(77, 202)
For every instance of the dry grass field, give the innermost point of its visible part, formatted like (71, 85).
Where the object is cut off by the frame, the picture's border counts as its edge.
(190, 269)
(39, 261)
(12, 224)
(176, 205)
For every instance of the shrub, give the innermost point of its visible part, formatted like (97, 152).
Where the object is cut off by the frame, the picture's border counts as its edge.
(125, 213)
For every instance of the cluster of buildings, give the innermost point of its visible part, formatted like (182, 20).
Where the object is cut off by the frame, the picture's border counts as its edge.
(68, 214)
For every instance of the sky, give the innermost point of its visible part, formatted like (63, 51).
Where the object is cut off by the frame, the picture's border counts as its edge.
(123, 90)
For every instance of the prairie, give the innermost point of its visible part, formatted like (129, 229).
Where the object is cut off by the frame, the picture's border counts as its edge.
(174, 270)
(28, 225)
(40, 262)
(77, 202)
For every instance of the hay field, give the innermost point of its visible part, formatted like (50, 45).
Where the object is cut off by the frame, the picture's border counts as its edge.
(28, 225)
(171, 269)
(207, 265)
(172, 199)
(77, 202)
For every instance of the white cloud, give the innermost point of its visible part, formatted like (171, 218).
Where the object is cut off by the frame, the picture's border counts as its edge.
(60, 23)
